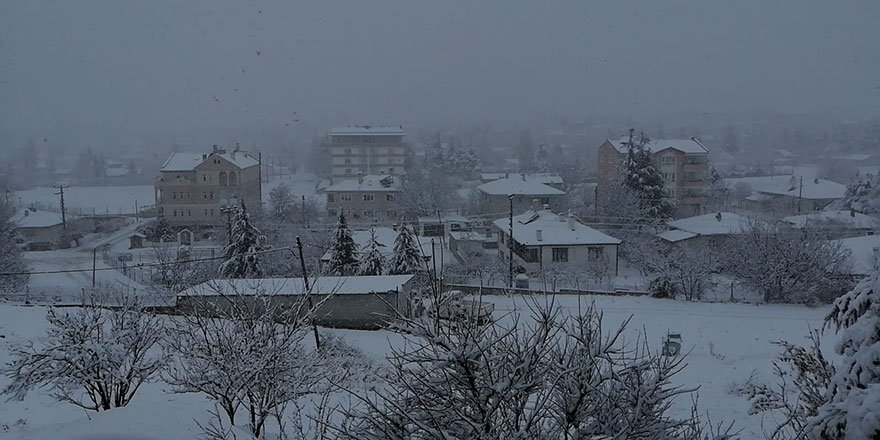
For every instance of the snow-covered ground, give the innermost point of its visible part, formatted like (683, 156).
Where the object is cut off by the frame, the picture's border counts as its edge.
(90, 199)
(726, 344)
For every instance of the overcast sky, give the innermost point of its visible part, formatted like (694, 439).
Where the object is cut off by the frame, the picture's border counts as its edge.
(174, 64)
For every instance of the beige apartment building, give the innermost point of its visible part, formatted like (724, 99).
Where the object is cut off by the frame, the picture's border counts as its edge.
(193, 188)
(684, 164)
(363, 150)
(368, 199)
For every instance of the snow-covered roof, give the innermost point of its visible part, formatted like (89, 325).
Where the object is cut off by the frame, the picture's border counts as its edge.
(545, 178)
(367, 130)
(471, 235)
(789, 185)
(353, 285)
(367, 183)
(710, 224)
(687, 146)
(116, 171)
(554, 230)
(27, 218)
(676, 235)
(855, 220)
(517, 184)
(189, 161)
(864, 256)
(444, 218)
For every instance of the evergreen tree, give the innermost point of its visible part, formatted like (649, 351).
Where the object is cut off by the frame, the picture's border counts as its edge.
(10, 254)
(242, 257)
(343, 250)
(853, 396)
(643, 178)
(372, 263)
(407, 257)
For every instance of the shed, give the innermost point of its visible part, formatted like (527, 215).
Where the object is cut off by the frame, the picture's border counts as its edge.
(354, 302)
(136, 241)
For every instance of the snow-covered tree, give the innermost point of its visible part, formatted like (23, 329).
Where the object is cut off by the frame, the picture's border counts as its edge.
(247, 354)
(93, 357)
(11, 261)
(159, 230)
(785, 264)
(852, 406)
(862, 195)
(407, 258)
(281, 202)
(242, 255)
(343, 250)
(372, 261)
(642, 176)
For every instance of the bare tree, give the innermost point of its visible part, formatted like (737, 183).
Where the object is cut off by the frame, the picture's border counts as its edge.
(95, 356)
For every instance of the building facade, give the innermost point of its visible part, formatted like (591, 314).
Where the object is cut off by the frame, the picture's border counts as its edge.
(684, 164)
(368, 199)
(362, 150)
(525, 191)
(193, 188)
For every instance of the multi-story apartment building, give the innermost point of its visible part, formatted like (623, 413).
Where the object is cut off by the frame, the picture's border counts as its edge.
(193, 188)
(362, 150)
(683, 162)
(368, 199)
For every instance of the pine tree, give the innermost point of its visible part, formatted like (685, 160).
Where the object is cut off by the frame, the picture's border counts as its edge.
(10, 254)
(853, 397)
(343, 250)
(372, 263)
(242, 253)
(645, 180)
(407, 257)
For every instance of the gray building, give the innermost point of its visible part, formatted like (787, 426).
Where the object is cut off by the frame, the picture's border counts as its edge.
(361, 150)
(367, 199)
(356, 302)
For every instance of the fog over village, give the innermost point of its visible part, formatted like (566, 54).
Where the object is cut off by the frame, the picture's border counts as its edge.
(452, 220)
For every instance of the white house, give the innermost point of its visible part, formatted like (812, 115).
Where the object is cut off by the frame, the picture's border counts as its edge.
(709, 226)
(544, 240)
(359, 302)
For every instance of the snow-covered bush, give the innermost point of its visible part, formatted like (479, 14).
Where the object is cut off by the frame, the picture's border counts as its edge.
(550, 377)
(95, 356)
(242, 254)
(10, 254)
(852, 402)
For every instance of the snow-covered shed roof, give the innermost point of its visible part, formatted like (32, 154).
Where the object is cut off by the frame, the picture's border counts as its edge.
(554, 230)
(864, 257)
(367, 130)
(545, 178)
(366, 183)
(189, 161)
(687, 146)
(28, 218)
(855, 220)
(517, 184)
(676, 235)
(789, 185)
(712, 224)
(353, 285)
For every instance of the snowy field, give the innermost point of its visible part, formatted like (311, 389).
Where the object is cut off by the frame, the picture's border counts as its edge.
(90, 199)
(727, 344)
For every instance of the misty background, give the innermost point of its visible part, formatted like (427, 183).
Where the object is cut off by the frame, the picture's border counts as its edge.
(274, 75)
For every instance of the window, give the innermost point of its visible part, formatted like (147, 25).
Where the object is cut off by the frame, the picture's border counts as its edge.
(204, 177)
(348, 171)
(212, 212)
(332, 212)
(389, 197)
(189, 212)
(348, 151)
(211, 194)
(175, 213)
(391, 170)
(369, 213)
(331, 198)
(669, 177)
(173, 195)
(345, 197)
(595, 253)
(206, 212)
(347, 161)
(668, 160)
(532, 255)
(560, 255)
(369, 197)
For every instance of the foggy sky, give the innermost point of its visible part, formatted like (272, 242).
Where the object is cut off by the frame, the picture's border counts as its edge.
(174, 64)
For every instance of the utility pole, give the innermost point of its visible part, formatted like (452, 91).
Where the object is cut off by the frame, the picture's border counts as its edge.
(302, 262)
(303, 210)
(60, 192)
(510, 246)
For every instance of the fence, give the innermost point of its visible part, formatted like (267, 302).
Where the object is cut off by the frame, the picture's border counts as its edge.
(494, 290)
(140, 266)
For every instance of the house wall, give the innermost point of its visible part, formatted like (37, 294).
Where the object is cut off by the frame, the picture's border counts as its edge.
(194, 198)
(499, 203)
(46, 234)
(578, 257)
(358, 210)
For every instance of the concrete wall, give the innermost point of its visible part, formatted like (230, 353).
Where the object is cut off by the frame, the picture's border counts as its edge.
(579, 258)
(355, 209)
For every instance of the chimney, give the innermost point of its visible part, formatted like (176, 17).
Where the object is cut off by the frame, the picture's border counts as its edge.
(215, 149)
(26, 212)
(237, 148)
(506, 175)
(539, 234)
(571, 222)
(852, 212)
